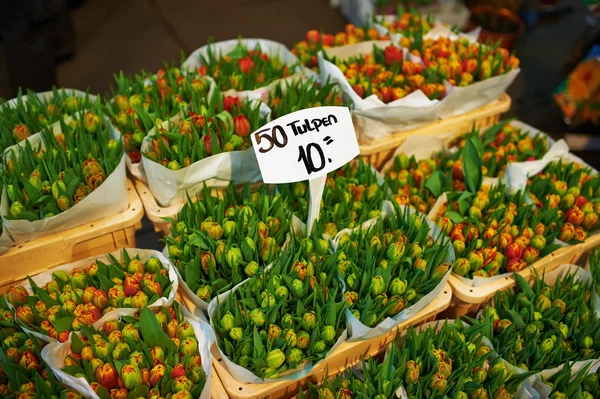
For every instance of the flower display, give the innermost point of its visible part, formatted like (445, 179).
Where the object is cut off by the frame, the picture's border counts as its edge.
(78, 298)
(213, 125)
(154, 354)
(290, 97)
(390, 266)
(44, 181)
(30, 113)
(290, 314)
(542, 327)
(243, 68)
(315, 41)
(215, 243)
(571, 189)
(352, 195)
(139, 101)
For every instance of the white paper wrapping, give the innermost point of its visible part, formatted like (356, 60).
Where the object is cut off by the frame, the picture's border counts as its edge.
(357, 331)
(551, 278)
(524, 391)
(244, 375)
(459, 100)
(267, 46)
(107, 200)
(476, 281)
(6, 241)
(172, 186)
(544, 390)
(54, 355)
(144, 254)
(517, 174)
(374, 117)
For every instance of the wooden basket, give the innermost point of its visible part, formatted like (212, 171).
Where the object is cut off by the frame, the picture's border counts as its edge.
(347, 355)
(378, 152)
(467, 300)
(217, 391)
(98, 237)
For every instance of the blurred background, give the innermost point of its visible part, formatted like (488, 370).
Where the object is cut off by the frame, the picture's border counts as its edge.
(82, 43)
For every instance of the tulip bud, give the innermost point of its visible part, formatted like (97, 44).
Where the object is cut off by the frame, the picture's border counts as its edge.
(275, 358)
(16, 209)
(294, 356)
(17, 295)
(377, 285)
(303, 339)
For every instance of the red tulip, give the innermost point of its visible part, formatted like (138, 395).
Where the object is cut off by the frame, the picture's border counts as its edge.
(313, 36)
(131, 286)
(327, 40)
(177, 371)
(241, 125)
(106, 375)
(100, 299)
(392, 55)
(245, 64)
(208, 144)
(21, 132)
(230, 102)
(514, 250)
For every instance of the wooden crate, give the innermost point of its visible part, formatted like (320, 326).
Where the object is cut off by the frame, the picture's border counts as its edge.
(347, 355)
(378, 152)
(217, 391)
(95, 238)
(468, 300)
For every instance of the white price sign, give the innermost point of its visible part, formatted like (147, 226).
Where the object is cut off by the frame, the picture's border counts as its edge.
(305, 144)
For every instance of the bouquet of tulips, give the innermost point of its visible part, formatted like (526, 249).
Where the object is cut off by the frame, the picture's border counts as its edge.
(352, 195)
(218, 242)
(152, 354)
(408, 23)
(387, 74)
(413, 182)
(492, 235)
(244, 67)
(45, 179)
(451, 360)
(572, 190)
(307, 49)
(542, 327)
(459, 61)
(215, 124)
(139, 101)
(296, 95)
(23, 372)
(374, 380)
(81, 294)
(498, 146)
(30, 113)
(292, 313)
(570, 383)
(389, 268)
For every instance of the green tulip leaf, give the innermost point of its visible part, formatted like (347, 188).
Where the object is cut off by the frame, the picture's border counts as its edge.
(153, 334)
(471, 162)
